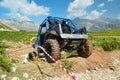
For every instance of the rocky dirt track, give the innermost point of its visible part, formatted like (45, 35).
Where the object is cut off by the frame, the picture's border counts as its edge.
(99, 66)
(112, 72)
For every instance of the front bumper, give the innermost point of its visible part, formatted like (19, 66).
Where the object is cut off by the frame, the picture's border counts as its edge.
(74, 36)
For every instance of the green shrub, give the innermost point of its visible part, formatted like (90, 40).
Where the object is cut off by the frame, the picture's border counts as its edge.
(109, 46)
(6, 63)
(68, 64)
(68, 54)
(2, 48)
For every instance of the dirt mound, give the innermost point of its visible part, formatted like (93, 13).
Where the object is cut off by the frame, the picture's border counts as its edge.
(98, 59)
(109, 73)
(99, 62)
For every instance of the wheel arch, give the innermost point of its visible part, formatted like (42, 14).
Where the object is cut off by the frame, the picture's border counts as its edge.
(52, 35)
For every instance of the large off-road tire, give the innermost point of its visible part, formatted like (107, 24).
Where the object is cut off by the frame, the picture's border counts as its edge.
(52, 48)
(85, 50)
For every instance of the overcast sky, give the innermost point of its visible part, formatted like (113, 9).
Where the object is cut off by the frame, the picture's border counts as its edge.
(38, 10)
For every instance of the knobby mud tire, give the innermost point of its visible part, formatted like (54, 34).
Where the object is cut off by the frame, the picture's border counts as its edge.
(85, 50)
(52, 48)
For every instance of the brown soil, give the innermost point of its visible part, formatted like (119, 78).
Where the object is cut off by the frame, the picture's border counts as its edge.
(18, 53)
(98, 59)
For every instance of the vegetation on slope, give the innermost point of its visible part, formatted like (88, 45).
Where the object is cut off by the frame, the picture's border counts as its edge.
(108, 40)
(24, 37)
(5, 62)
(114, 32)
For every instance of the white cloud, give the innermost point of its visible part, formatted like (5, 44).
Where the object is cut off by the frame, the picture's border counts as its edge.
(23, 9)
(78, 8)
(18, 16)
(95, 14)
(110, 0)
(118, 17)
(101, 5)
(33, 9)
(103, 11)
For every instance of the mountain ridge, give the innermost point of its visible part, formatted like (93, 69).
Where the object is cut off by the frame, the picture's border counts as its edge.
(97, 25)
(22, 25)
(6, 27)
(100, 24)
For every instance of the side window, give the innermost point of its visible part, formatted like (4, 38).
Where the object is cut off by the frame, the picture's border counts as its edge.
(43, 30)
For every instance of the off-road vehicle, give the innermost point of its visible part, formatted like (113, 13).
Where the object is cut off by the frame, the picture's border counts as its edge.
(56, 34)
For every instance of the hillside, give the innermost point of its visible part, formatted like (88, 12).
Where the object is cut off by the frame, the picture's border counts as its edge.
(6, 27)
(22, 25)
(100, 24)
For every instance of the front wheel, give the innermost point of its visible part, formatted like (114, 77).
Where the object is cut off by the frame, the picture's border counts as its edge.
(52, 48)
(85, 50)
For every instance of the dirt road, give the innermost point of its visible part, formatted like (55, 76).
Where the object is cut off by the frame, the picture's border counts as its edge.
(95, 67)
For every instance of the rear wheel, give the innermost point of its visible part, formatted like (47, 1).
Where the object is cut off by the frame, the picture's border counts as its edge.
(52, 48)
(85, 50)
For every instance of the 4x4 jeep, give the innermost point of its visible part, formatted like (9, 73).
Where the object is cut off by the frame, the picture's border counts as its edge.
(56, 34)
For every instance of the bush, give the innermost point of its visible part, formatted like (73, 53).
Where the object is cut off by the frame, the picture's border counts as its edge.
(69, 54)
(109, 46)
(5, 62)
(1, 48)
(68, 64)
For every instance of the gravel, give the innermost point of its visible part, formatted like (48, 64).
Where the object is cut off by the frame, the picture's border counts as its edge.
(111, 73)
